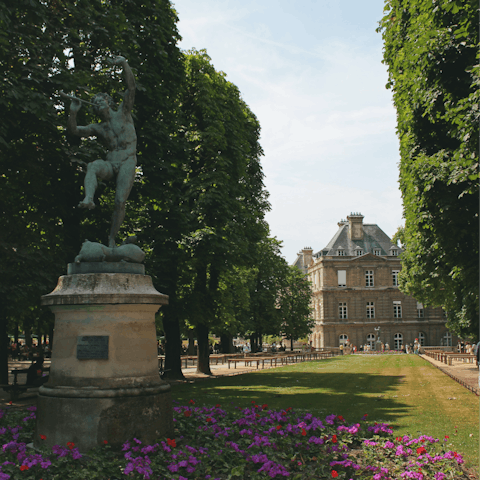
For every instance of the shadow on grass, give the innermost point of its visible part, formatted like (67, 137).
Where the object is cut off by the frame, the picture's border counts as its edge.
(322, 393)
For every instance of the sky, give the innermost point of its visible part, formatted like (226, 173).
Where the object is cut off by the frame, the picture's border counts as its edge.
(311, 71)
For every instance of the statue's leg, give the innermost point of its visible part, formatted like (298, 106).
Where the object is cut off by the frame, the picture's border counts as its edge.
(98, 168)
(125, 178)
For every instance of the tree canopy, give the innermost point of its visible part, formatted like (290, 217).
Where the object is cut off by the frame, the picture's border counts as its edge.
(431, 49)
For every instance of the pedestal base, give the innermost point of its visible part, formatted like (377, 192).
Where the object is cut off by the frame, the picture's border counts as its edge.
(104, 383)
(66, 416)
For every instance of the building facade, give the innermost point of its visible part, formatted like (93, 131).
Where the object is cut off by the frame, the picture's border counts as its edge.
(355, 292)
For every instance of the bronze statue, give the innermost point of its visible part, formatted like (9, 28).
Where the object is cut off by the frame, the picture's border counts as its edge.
(118, 133)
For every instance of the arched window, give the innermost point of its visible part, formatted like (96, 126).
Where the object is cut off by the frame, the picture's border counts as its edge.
(371, 341)
(342, 339)
(422, 338)
(397, 341)
(447, 339)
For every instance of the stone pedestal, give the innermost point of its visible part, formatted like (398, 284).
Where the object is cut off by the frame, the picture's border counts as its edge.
(104, 382)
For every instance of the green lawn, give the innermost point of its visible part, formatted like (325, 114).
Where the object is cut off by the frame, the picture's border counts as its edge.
(403, 390)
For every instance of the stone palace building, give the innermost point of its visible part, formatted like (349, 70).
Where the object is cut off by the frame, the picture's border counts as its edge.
(355, 290)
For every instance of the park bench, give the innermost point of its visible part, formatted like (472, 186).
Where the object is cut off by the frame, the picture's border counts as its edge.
(15, 389)
(469, 357)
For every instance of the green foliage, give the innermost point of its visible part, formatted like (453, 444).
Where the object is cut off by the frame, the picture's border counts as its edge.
(431, 50)
(294, 304)
(46, 46)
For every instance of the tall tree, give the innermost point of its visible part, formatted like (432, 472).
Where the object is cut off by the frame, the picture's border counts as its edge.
(225, 193)
(431, 49)
(294, 304)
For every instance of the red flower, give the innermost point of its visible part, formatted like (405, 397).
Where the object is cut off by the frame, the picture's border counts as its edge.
(253, 401)
(10, 402)
(187, 413)
(217, 405)
(334, 474)
(279, 427)
(257, 415)
(191, 402)
(398, 439)
(422, 440)
(455, 454)
(264, 406)
(43, 437)
(288, 409)
(304, 432)
(70, 445)
(446, 436)
(24, 467)
(209, 419)
(340, 418)
(421, 450)
(171, 442)
(334, 439)
(284, 414)
(105, 442)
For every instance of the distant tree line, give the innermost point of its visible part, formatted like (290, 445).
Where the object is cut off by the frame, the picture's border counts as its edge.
(431, 49)
(198, 203)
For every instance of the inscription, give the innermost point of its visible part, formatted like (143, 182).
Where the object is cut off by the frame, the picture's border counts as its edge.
(92, 347)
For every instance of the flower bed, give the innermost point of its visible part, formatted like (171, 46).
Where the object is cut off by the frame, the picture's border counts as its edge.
(254, 442)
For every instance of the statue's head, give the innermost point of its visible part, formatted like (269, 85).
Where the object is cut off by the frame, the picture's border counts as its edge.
(101, 101)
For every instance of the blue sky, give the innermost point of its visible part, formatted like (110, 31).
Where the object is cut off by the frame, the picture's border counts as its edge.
(311, 72)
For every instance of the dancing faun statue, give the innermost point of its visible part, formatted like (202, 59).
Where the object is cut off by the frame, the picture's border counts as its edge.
(117, 132)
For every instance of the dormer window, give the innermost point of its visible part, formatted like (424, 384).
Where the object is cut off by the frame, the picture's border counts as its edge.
(358, 251)
(341, 252)
(394, 251)
(377, 251)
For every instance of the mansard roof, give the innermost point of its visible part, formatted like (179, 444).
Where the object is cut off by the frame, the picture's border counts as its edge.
(373, 238)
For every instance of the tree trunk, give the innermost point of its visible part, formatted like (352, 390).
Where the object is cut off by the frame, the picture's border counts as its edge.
(191, 342)
(27, 325)
(203, 356)
(291, 343)
(227, 343)
(4, 347)
(252, 342)
(15, 333)
(173, 345)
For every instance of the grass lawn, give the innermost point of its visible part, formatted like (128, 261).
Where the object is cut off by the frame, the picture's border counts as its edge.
(403, 390)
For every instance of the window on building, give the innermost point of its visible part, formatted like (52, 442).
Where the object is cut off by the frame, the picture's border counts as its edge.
(397, 309)
(422, 338)
(342, 310)
(447, 339)
(395, 274)
(341, 252)
(420, 310)
(369, 278)
(377, 251)
(370, 310)
(342, 278)
(371, 341)
(397, 341)
(394, 252)
(342, 339)
(358, 251)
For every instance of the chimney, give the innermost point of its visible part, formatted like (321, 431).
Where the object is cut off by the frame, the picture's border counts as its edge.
(355, 231)
(307, 256)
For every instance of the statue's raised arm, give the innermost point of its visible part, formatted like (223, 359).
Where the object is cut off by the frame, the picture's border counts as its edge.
(129, 97)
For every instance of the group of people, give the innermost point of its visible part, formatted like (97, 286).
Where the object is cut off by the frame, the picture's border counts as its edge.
(465, 347)
(21, 351)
